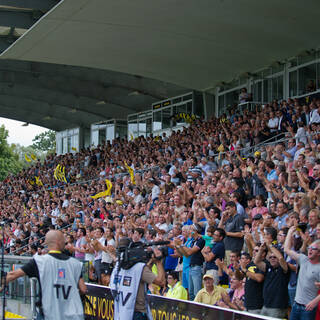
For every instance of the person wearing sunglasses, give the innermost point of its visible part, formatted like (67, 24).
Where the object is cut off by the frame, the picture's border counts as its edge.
(307, 298)
(275, 286)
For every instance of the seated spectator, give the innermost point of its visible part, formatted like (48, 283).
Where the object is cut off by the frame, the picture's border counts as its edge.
(235, 298)
(210, 294)
(176, 290)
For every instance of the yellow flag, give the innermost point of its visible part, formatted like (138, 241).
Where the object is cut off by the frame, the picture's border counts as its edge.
(33, 157)
(131, 137)
(74, 149)
(59, 173)
(130, 170)
(27, 158)
(104, 193)
(38, 181)
(109, 187)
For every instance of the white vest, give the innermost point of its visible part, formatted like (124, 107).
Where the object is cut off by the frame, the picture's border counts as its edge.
(59, 288)
(125, 292)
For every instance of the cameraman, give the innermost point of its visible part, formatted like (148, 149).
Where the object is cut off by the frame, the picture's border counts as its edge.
(129, 286)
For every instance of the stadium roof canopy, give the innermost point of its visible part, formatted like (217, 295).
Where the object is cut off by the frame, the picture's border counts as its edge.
(177, 43)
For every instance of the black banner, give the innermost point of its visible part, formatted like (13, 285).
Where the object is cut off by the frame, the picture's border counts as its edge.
(99, 306)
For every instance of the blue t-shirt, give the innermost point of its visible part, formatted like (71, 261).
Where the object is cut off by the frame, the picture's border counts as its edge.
(219, 251)
(170, 262)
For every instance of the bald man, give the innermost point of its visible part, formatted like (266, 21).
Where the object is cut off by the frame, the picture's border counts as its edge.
(60, 280)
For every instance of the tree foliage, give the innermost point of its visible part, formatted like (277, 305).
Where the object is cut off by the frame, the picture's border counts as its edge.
(9, 160)
(45, 141)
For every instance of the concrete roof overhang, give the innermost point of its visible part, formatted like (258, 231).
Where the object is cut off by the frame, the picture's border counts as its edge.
(191, 44)
(61, 97)
(194, 44)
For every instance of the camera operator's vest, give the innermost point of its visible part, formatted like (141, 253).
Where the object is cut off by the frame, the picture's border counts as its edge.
(59, 287)
(125, 285)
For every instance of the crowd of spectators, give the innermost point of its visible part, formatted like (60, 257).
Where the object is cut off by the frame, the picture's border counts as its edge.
(239, 221)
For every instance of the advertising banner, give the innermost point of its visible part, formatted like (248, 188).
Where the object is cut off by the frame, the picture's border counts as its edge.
(98, 305)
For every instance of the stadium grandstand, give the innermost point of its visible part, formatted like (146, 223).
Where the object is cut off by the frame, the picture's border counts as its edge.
(196, 122)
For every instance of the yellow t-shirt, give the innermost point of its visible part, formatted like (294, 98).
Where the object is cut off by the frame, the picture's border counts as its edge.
(204, 297)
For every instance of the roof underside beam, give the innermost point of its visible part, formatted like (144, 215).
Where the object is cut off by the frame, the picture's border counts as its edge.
(68, 85)
(43, 5)
(18, 18)
(53, 97)
(47, 113)
(33, 117)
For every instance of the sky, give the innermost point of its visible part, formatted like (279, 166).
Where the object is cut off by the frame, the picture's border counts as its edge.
(20, 134)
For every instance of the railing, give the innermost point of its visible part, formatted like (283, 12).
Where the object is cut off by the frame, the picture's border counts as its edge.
(20, 294)
(250, 150)
(42, 238)
(249, 105)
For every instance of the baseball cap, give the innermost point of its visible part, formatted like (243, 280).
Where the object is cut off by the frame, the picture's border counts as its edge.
(208, 276)
(257, 217)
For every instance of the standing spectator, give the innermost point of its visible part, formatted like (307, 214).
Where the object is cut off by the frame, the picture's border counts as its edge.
(275, 287)
(80, 243)
(253, 290)
(212, 254)
(98, 252)
(307, 297)
(233, 224)
(196, 258)
(281, 220)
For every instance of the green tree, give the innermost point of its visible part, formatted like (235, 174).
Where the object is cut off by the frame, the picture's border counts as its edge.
(9, 160)
(45, 141)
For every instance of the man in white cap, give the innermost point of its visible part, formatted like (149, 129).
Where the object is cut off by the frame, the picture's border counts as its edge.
(210, 294)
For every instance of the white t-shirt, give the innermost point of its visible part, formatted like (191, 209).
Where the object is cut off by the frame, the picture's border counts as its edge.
(106, 257)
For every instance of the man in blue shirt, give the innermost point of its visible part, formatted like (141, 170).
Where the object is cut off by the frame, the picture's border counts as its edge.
(217, 252)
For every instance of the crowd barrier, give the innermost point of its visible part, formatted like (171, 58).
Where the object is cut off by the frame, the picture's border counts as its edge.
(99, 306)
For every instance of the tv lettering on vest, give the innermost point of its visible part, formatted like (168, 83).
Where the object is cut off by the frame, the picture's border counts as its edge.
(131, 276)
(99, 306)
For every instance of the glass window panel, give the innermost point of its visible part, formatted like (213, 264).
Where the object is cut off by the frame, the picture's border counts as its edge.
(95, 137)
(166, 118)
(266, 90)
(276, 87)
(307, 79)
(132, 130)
(65, 145)
(221, 105)
(318, 76)
(232, 98)
(76, 141)
(110, 132)
(293, 83)
(157, 121)
(149, 126)
(142, 127)
(121, 131)
(182, 108)
(102, 135)
(257, 91)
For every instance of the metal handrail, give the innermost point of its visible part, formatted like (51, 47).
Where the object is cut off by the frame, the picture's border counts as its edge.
(13, 252)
